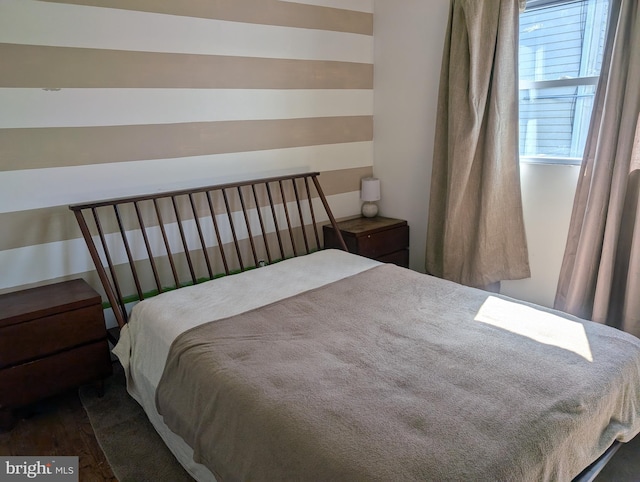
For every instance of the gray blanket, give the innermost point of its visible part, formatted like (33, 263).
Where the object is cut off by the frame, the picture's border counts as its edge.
(394, 375)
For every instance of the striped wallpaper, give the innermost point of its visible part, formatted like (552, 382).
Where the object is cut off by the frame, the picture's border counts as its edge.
(105, 98)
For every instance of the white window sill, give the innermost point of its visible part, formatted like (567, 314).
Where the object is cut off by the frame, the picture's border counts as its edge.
(563, 161)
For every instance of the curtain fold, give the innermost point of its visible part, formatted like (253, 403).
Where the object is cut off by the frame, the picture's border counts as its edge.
(475, 232)
(600, 274)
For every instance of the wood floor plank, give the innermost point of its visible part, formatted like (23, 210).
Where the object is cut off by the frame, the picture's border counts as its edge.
(58, 426)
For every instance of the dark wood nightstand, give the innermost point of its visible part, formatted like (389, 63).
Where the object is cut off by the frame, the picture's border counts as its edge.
(382, 239)
(52, 338)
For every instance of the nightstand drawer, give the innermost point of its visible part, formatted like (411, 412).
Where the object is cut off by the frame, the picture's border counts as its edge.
(44, 336)
(400, 258)
(22, 384)
(380, 238)
(383, 242)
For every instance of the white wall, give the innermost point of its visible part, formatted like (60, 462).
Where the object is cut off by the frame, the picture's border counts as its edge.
(408, 42)
(547, 198)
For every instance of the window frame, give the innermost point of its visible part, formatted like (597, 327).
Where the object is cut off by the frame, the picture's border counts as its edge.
(584, 81)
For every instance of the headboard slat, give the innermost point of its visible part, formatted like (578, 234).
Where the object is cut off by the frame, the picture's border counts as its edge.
(248, 226)
(232, 227)
(275, 220)
(265, 241)
(286, 213)
(304, 230)
(185, 246)
(312, 212)
(147, 245)
(203, 244)
(110, 264)
(165, 238)
(127, 248)
(214, 221)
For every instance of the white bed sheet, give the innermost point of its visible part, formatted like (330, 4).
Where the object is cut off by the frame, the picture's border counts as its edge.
(155, 323)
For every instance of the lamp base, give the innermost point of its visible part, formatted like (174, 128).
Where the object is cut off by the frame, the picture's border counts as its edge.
(369, 209)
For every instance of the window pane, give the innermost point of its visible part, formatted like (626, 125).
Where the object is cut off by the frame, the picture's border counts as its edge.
(565, 40)
(561, 42)
(554, 121)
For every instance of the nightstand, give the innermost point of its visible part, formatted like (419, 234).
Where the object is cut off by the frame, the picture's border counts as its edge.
(52, 338)
(382, 239)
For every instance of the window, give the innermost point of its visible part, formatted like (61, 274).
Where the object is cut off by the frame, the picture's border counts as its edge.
(561, 48)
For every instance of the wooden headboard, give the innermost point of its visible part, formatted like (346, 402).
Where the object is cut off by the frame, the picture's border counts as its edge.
(148, 244)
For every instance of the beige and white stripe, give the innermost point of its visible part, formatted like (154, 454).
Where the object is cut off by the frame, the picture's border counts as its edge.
(106, 98)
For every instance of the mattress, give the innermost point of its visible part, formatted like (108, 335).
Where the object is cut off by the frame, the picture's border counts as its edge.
(466, 335)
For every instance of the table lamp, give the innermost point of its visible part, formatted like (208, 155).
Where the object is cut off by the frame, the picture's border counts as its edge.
(370, 193)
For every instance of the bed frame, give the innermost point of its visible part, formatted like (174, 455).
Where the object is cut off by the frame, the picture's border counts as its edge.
(174, 239)
(148, 244)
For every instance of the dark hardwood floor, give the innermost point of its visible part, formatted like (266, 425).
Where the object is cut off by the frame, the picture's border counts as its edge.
(58, 426)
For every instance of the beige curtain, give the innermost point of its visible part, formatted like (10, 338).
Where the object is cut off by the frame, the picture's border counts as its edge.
(600, 275)
(475, 234)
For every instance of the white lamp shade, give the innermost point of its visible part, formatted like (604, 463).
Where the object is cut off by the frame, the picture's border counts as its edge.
(370, 190)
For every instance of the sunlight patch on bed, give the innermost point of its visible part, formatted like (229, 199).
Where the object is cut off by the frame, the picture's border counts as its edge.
(537, 325)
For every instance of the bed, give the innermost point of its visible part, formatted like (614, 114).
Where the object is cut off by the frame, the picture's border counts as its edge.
(312, 364)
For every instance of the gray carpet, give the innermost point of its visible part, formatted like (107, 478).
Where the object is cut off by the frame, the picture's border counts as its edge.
(137, 454)
(134, 450)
